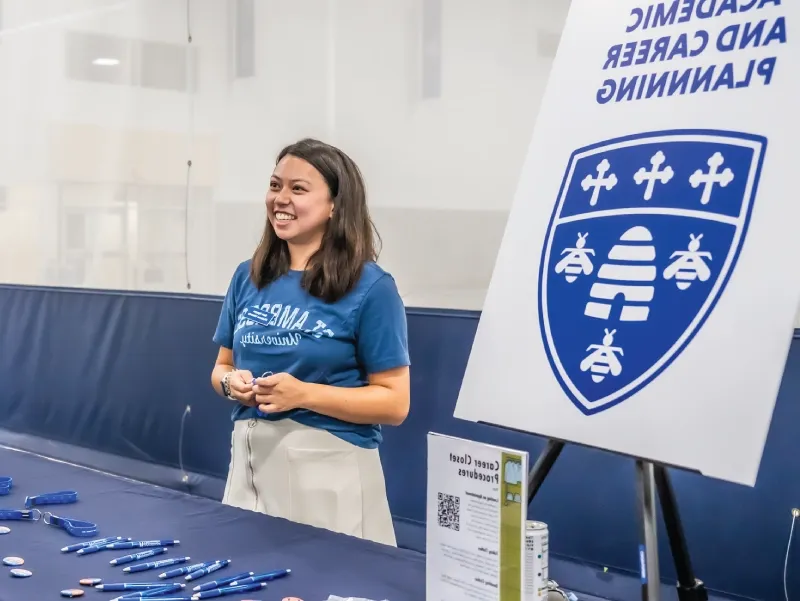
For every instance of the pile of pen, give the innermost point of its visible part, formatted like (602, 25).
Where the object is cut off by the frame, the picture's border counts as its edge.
(243, 582)
(169, 591)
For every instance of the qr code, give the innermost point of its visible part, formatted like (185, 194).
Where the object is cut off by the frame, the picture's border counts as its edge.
(449, 506)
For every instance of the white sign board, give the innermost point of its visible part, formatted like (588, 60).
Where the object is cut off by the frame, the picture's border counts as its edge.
(477, 503)
(645, 292)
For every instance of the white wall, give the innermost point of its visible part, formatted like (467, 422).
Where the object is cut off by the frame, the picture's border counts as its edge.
(111, 157)
(441, 171)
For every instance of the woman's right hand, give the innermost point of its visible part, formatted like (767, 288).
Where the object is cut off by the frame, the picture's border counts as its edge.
(241, 384)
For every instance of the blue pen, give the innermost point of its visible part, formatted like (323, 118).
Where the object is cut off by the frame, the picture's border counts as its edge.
(186, 569)
(262, 577)
(185, 598)
(137, 556)
(229, 590)
(220, 583)
(91, 543)
(165, 589)
(138, 544)
(93, 549)
(170, 589)
(212, 568)
(151, 565)
(128, 586)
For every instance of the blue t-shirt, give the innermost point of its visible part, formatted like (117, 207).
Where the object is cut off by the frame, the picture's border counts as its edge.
(337, 344)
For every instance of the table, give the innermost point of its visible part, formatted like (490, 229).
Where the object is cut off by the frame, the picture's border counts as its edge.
(322, 562)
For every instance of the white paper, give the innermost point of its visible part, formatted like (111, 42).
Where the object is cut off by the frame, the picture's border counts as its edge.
(476, 513)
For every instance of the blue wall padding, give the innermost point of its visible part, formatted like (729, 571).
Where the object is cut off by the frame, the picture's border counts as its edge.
(115, 372)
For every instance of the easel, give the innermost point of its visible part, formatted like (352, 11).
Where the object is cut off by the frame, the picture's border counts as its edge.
(650, 478)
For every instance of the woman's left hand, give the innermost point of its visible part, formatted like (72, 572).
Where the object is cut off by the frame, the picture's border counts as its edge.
(279, 392)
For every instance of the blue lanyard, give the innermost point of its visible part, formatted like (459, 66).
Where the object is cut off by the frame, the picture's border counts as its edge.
(28, 515)
(72, 526)
(52, 498)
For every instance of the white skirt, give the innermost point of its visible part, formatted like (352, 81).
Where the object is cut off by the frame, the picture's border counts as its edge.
(310, 476)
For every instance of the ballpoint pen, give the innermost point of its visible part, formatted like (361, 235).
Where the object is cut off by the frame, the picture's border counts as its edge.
(169, 589)
(166, 597)
(128, 586)
(185, 570)
(212, 568)
(229, 590)
(164, 589)
(220, 583)
(91, 543)
(137, 556)
(150, 565)
(92, 549)
(139, 544)
(184, 598)
(262, 577)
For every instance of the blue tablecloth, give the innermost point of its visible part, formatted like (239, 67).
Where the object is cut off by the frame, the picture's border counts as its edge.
(322, 563)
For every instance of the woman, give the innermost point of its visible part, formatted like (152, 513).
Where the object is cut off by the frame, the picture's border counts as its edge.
(313, 349)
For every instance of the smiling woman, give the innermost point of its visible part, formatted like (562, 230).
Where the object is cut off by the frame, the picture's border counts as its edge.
(313, 350)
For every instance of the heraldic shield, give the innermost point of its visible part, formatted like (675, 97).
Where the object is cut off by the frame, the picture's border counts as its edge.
(644, 236)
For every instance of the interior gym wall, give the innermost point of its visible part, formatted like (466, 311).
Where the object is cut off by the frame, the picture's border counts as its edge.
(435, 99)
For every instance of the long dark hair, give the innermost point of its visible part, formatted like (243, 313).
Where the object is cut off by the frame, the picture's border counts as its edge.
(348, 241)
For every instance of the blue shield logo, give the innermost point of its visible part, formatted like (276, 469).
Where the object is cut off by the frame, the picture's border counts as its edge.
(643, 239)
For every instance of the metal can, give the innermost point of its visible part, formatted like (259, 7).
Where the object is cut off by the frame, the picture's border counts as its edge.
(537, 548)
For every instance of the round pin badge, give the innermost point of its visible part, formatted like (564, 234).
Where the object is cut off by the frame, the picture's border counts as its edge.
(13, 561)
(90, 581)
(72, 592)
(20, 573)
(4, 529)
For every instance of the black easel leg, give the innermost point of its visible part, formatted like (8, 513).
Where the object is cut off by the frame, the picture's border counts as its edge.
(542, 467)
(689, 587)
(648, 529)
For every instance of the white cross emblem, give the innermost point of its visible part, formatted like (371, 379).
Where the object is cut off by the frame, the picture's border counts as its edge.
(600, 181)
(712, 177)
(654, 175)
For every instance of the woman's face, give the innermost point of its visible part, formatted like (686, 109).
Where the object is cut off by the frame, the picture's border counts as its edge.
(299, 204)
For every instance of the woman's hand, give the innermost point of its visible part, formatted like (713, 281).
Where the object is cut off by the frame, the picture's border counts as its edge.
(279, 392)
(241, 384)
